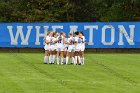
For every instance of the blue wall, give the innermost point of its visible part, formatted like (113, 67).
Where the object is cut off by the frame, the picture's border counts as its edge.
(98, 35)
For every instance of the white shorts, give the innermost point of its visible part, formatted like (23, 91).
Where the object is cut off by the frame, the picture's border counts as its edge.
(71, 48)
(60, 47)
(53, 47)
(77, 48)
(65, 47)
(47, 47)
(82, 48)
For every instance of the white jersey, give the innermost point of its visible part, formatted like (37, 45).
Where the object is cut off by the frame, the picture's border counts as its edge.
(69, 40)
(77, 45)
(48, 39)
(53, 46)
(80, 45)
(71, 44)
(78, 40)
(65, 42)
(83, 41)
(60, 45)
(54, 39)
(61, 42)
(83, 44)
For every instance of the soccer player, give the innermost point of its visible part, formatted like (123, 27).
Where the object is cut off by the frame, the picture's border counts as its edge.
(77, 43)
(60, 47)
(65, 48)
(82, 48)
(53, 48)
(70, 52)
(47, 40)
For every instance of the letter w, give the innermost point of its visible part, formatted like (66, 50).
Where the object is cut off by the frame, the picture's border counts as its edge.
(14, 40)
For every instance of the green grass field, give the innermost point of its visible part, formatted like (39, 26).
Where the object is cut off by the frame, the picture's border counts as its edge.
(102, 73)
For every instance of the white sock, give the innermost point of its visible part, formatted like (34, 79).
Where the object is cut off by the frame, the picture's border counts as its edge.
(70, 59)
(61, 60)
(79, 59)
(73, 60)
(64, 60)
(83, 60)
(76, 58)
(53, 58)
(50, 59)
(58, 60)
(67, 59)
(46, 59)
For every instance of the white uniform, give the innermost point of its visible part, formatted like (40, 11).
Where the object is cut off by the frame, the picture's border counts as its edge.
(71, 46)
(78, 44)
(47, 46)
(54, 46)
(60, 45)
(82, 47)
(65, 47)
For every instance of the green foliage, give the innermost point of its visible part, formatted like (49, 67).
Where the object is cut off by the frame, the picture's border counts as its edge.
(68, 10)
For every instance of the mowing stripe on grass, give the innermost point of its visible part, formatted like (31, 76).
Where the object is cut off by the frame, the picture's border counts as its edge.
(113, 72)
(61, 82)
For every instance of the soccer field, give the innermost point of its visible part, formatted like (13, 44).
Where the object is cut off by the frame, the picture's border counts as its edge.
(102, 73)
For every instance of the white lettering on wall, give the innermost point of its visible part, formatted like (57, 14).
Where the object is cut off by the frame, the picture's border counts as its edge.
(38, 34)
(123, 35)
(104, 29)
(14, 40)
(91, 28)
(123, 32)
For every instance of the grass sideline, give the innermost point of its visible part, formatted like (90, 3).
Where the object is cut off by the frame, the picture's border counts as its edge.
(102, 73)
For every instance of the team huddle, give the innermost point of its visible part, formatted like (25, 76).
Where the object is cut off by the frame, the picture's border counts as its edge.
(60, 50)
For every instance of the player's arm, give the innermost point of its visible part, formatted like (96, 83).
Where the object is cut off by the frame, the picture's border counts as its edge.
(65, 41)
(46, 41)
(55, 41)
(76, 40)
(72, 39)
(69, 42)
(51, 41)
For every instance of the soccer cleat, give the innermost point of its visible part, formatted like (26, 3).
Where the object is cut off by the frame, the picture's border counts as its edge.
(71, 63)
(45, 63)
(79, 64)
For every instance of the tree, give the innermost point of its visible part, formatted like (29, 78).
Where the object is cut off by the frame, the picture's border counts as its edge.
(69, 10)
